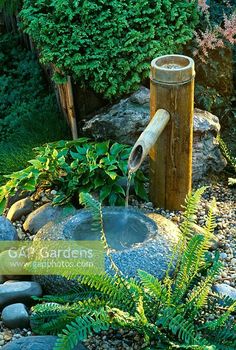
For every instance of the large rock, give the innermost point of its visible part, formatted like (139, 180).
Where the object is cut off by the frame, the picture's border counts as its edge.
(20, 208)
(17, 196)
(7, 230)
(137, 242)
(125, 121)
(15, 316)
(207, 156)
(19, 292)
(44, 215)
(46, 342)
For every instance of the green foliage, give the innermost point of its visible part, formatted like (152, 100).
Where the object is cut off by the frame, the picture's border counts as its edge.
(28, 112)
(169, 313)
(227, 153)
(214, 82)
(75, 166)
(107, 45)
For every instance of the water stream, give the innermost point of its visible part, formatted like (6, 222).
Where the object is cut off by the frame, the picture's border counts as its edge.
(129, 178)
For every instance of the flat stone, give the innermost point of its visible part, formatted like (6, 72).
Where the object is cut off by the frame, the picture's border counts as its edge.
(145, 244)
(7, 230)
(133, 113)
(20, 208)
(225, 290)
(15, 316)
(45, 214)
(46, 342)
(19, 292)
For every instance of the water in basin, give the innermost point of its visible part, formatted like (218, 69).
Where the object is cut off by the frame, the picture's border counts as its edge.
(124, 228)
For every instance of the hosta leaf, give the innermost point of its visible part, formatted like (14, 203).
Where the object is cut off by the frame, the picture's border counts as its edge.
(104, 193)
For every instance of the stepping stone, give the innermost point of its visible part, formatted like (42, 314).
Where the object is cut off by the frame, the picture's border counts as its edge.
(7, 230)
(19, 292)
(46, 342)
(15, 316)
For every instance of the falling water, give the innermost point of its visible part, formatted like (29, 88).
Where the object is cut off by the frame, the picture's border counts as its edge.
(128, 188)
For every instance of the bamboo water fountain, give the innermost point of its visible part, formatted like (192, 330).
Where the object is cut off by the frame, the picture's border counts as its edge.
(169, 135)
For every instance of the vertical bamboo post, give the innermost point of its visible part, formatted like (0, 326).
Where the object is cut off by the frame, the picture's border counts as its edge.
(172, 89)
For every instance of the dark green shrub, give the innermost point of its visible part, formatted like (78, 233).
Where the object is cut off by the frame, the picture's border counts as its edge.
(168, 313)
(75, 166)
(108, 45)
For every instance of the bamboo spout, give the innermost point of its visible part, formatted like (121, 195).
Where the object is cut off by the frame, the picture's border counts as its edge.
(148, 139)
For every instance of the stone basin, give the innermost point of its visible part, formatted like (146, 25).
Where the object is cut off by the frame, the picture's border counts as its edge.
(137, 241)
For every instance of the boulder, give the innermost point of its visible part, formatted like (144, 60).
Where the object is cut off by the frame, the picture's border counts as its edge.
(7, 230)
(207, 156)
(15, 316)
(20, 208)
(125, 121)
(41, 342)
(19, 292)
(44, 215)
(225, 290)
(19, 194)
(137, 241)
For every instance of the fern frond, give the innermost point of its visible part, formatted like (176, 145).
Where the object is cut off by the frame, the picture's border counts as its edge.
(68, 298)
(94, 207)
(191, 206)
(173, 320)
(79, 329)
(186, 228)
(49, 318)
(188, 269)
(221, 321)
(199, 295)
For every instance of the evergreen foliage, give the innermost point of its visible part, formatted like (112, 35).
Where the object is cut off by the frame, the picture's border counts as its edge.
(168, 312)
(108, 45)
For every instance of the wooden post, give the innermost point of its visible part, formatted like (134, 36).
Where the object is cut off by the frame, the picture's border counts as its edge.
(71, 109)
(172, 89)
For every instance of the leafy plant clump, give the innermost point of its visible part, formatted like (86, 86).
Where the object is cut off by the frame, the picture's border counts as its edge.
(108, 45)
(75, 166)
(168, 313)
(28, 113)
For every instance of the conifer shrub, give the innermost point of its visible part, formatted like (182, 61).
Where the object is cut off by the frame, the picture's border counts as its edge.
(107, 45)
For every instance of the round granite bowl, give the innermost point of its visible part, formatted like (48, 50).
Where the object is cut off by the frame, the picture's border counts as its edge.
(137, 241)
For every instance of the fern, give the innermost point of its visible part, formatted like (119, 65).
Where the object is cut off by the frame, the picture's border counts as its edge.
(189, 216)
